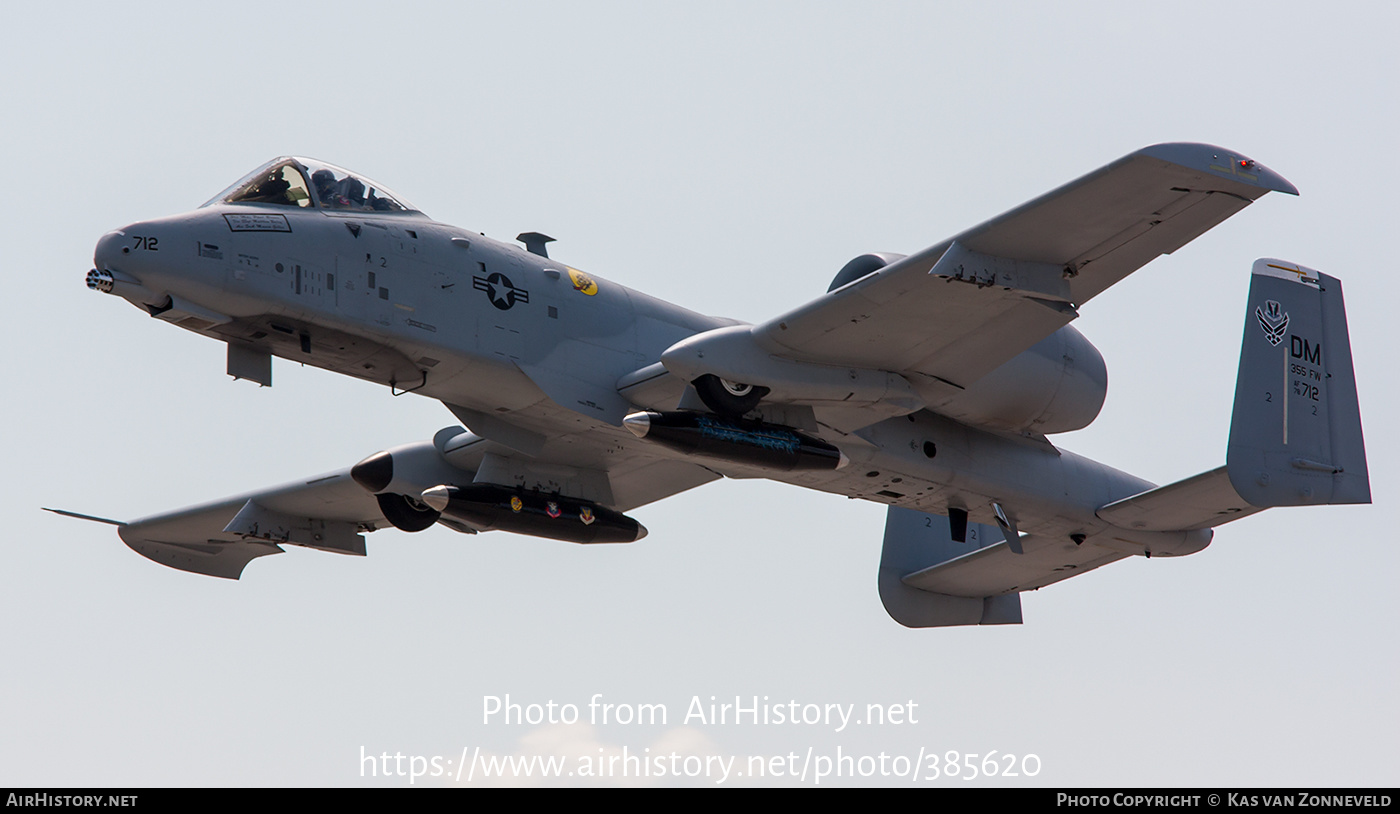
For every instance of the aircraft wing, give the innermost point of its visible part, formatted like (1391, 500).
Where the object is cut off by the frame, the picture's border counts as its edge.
(947, 315)
(220, 538)
(331, 512)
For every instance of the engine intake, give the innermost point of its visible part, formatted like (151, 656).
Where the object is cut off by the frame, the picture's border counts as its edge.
(863, 265)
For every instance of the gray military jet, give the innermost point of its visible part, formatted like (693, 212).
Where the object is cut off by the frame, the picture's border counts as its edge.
(927, 382)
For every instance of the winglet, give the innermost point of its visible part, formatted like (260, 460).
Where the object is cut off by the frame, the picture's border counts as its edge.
(1222, 163)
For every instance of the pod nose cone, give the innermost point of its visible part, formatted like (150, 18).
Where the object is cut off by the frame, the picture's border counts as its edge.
(437, 497)
(639, 424)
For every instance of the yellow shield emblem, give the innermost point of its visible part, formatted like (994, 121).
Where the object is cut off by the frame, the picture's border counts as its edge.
(582, 282)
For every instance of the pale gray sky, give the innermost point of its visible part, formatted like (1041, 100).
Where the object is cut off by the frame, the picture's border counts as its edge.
(730, 157)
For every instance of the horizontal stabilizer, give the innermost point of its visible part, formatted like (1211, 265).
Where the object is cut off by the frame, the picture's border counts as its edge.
(1201, 502)
(997, 569)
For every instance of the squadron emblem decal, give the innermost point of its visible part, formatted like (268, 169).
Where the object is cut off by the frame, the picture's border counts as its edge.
(586, 515)
(552, 509)
(1274, 320)
(582, 282)
(516, 504)
(500, 290)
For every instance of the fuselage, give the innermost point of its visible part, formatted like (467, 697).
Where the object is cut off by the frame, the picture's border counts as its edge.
(396, 298)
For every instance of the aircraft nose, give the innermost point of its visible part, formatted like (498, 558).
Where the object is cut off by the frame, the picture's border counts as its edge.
(109, 250)
(111, 272)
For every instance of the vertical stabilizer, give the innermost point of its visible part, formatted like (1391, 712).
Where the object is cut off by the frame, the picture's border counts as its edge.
(916, 541)
(1295, 436)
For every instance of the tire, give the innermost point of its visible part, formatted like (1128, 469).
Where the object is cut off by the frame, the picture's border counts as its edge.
(406, 513)
(726, 398)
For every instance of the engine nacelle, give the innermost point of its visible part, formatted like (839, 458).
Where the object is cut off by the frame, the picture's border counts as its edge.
(398, 476)
(406, 470)
(1058, 385)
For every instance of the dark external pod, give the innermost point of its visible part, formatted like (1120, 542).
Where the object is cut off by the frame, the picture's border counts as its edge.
(489, 507)
(745, 442)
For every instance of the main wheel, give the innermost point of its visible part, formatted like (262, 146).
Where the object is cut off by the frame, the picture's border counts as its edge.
(407, 513)
(729, 399)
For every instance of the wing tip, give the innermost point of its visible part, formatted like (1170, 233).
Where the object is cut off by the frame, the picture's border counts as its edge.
(1220, 162)
(213, 559)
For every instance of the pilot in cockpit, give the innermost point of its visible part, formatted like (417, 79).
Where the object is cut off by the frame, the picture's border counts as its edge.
(283, 181)
(353, 191)
(324, 181)
(271, 189)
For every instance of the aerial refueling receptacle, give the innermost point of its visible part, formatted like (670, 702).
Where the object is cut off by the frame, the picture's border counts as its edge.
(490, 507)
(755, 443)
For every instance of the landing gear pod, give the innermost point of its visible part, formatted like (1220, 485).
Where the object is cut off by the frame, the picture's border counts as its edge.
(406, 513)
(729, 399)
(500, 508)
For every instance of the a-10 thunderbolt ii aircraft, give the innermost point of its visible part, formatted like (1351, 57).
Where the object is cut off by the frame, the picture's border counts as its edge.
(927, 382)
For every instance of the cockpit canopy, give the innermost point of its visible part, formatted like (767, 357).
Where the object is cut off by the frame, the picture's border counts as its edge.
(307, 183)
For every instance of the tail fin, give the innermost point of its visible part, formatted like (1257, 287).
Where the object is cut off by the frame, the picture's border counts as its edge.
(1295, 437)
(915, 542)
